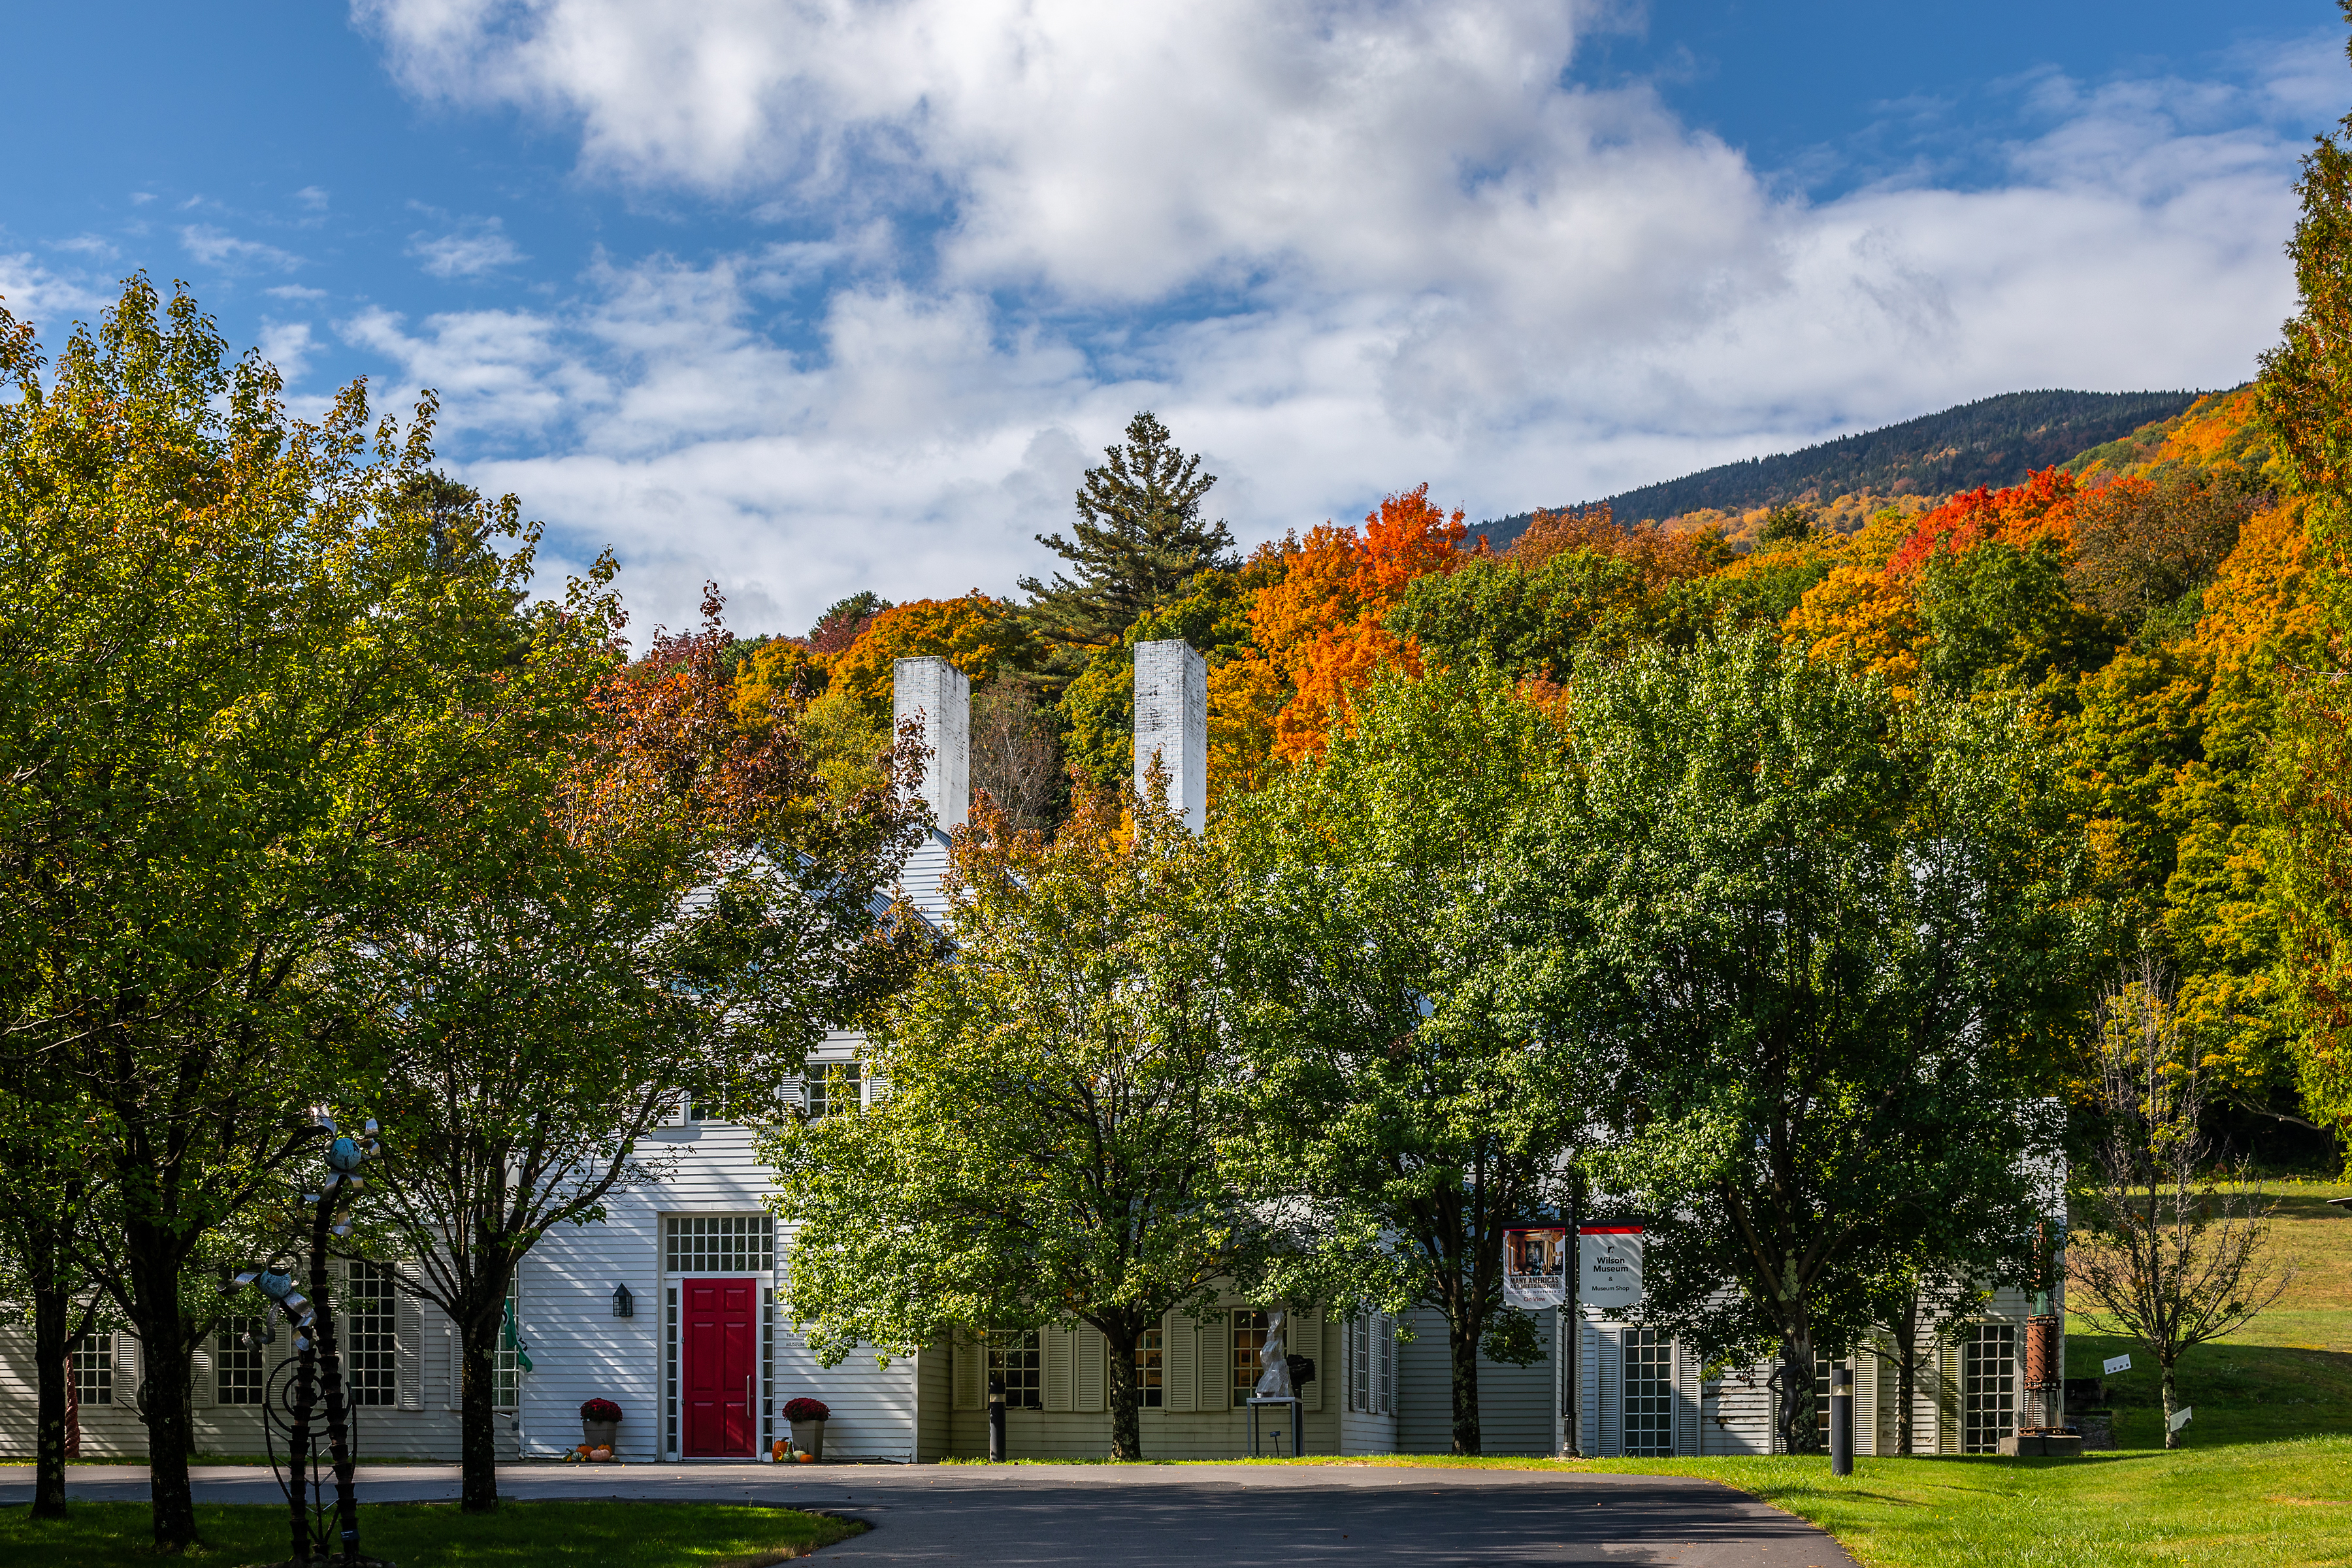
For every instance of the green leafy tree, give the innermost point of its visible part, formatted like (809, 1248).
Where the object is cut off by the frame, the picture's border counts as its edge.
(1051, 1135)
(226, 641)
(1532, 621)
(1828, 941)
(1138, 540)
(48, 1147)
(1405, 1090)
(2000, 615)
(643, 902)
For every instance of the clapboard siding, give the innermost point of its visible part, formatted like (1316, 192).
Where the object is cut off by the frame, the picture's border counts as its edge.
(1515, 1403)
(235, 1431)
(934, 1403)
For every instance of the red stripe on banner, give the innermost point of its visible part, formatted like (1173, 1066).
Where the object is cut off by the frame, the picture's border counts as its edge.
(1609, 1230)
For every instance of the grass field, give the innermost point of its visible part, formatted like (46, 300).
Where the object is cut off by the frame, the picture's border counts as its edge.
(436, 1535)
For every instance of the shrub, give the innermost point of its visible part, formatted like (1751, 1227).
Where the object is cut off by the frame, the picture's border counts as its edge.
(805, 1410)
(600, 1410)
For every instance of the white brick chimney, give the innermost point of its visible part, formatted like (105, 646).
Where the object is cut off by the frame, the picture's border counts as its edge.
(1172, 723)
(935, 694)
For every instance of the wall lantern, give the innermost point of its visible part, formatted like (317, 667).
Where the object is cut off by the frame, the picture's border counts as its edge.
(623, 1304)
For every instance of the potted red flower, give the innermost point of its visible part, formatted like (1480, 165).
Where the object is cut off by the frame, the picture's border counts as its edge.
(600, 1422)
(808, 1417)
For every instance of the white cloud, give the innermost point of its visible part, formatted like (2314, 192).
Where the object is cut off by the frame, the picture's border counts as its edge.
(1341, 248)
(31, 292)
(288, 345)
(95, 247)
(314, 198)
(215, 247)
(295, 291)
(475, 247)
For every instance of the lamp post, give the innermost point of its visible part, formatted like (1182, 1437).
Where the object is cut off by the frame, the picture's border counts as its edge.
(1841, 1420)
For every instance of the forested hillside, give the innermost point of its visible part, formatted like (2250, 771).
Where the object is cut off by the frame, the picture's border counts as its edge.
(1993, 441)
(2146, 586)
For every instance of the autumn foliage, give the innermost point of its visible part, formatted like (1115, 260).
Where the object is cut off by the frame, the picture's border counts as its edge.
(1316, 633)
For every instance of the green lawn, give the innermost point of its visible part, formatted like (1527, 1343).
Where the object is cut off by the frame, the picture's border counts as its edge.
(430, 1535)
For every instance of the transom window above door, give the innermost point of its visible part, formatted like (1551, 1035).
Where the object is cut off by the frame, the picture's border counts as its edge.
(719, 1243)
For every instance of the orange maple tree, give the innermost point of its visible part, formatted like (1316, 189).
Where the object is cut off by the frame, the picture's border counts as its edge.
(1316, 635)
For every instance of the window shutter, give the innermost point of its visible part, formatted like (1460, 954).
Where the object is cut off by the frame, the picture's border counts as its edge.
(200, 1378)
(1611, 1365)
(124, 1388)
(969, 1372)
(408, 1340)
(1684, 1399)
(1384, 1345)
(1055, 1345)
(1215, 1390)
(457, 1357)
(1866, 1400)
(1310, 1344)
(1587, 1388)
(1947, 1389)
(1092, 1351)
(1182, 1358)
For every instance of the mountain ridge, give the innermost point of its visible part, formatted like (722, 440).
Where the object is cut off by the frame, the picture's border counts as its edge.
(1994, 441)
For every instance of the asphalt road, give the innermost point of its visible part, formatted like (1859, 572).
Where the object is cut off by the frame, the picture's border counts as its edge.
(1235, 1516)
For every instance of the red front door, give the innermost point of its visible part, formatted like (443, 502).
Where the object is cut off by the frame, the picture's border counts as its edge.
(721, 1356)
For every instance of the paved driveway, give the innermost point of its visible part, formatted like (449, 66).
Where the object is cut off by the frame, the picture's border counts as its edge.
(1235, 1516)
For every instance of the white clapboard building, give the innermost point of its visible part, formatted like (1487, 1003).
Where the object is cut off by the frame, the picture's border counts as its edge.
(669, 1307)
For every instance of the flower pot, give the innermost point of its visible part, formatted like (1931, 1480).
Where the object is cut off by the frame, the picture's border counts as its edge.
(808, 1437)
(600, 1434)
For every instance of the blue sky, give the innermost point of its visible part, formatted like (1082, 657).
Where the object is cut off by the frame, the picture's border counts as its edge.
(814, 298)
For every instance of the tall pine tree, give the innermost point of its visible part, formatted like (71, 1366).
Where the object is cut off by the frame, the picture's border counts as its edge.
(1138, 540)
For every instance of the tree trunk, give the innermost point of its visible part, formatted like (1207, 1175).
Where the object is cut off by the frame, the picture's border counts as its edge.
(53, 1340)
(477, 1434)
(1126, 1399)
(153, 1255)
(1462, 1341)
(1800, 1406)
(2171, 1437)
(1906, 1369)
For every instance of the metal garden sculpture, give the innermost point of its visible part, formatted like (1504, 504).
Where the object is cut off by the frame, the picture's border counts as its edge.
(316, 1366)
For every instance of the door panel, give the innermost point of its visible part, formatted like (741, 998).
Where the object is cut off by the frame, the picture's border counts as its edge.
(718, 1355)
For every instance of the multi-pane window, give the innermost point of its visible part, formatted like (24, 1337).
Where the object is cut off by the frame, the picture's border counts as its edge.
(1012, 1356)
(505, 1368)
(1649, 1393)
(1988, 1387)
(831, 1087)
(1147, 1385)
(719, 1243)
(1249, 1340)
(239, 1371)
(370, 1336)
(1360, 1362)
(669, 1370)
(93, 1369)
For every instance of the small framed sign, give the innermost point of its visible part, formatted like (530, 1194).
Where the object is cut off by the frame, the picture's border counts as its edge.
(2116, 1364)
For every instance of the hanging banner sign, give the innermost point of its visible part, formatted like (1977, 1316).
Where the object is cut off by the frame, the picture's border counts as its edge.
(1534, 1269)
(2180, 1419)
(1611, 1276)
(2116, 1364)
